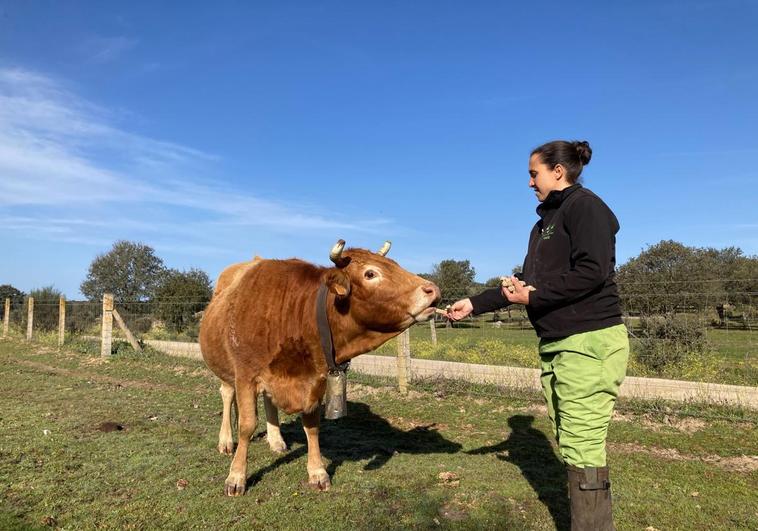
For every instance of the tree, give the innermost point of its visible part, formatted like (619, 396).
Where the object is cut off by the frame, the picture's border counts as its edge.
(733, 276)
(15, 295)
(653, 281)
(455, 278)
(493, 282)
(130, 271)
(180, 296)
(669, 275)
(17, 302)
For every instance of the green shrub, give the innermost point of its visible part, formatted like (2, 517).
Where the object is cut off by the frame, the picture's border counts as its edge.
(140, 324)
(181, 296)
(668, 340)
(121, 348)
(46, 308)
(84, 346)
(83, 318)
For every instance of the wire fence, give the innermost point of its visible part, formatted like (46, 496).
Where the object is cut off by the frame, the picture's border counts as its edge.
(708, 337)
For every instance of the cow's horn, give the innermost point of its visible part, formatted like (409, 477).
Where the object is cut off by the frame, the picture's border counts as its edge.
(385, 248)
(336, 254)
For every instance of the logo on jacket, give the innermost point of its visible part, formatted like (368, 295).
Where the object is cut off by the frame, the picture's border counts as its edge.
(548, 231)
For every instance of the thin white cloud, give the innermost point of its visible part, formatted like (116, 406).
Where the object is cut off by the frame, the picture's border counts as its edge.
(107, 49)
(65, 160)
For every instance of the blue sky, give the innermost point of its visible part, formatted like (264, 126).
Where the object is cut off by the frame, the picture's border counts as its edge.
(216, 131)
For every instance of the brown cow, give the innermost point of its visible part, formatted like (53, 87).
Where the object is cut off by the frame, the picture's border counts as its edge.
(259, 335)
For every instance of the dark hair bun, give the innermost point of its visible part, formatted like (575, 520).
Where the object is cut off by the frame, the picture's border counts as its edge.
(584, 151)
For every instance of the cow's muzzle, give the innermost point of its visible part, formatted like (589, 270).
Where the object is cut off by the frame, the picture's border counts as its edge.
(431, 289)
(427, 297)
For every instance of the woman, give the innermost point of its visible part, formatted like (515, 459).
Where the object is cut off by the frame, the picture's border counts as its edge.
(575, 311)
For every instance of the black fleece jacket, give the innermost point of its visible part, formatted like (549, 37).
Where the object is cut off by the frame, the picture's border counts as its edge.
(571, 262)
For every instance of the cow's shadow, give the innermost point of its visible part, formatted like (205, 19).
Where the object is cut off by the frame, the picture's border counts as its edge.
(360, 436)
(529, 449)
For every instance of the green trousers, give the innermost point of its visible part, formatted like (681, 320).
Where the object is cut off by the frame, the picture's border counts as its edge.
(581, 375)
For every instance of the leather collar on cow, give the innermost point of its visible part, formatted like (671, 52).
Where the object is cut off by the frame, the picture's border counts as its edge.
(325, 332)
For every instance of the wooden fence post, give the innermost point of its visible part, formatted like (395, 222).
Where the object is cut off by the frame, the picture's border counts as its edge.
(107, 326)
(61, 320)
(433, 326)
(128, 333)
(30, 319)
(403, 361)
(7, 317)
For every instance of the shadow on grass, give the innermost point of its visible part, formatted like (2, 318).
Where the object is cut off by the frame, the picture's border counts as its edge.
(361, 435)
(529, 449)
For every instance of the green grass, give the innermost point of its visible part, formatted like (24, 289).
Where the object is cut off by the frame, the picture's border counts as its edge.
(482, 330)
(738, 353)
(738, 345)
(732, 356)
(385, 457)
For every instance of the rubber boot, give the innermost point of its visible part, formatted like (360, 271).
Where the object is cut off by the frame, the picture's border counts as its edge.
(590, 495)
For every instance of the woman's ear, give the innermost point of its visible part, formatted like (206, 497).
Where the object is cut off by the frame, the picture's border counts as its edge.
(338, 283)
(559, 171)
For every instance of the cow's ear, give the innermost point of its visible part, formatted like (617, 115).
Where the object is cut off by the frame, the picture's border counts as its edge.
(338, 283)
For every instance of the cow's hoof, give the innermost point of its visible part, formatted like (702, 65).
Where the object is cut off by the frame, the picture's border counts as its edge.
(277, 446)
(235, 485)
(319, 480)
(226, 448)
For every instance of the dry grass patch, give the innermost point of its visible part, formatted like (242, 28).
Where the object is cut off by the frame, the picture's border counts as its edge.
(744, 464)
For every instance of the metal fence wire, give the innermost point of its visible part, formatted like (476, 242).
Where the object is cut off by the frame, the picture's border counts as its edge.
(700, 333)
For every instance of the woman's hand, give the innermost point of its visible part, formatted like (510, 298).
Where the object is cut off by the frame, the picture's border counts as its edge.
(517, 292)
(460, 309)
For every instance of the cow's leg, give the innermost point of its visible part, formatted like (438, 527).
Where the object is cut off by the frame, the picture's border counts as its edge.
(317, 476)
(246, 399)
(273, 435)
(225, 441)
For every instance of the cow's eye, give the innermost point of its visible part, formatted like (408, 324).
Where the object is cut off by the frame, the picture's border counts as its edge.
(370, 274)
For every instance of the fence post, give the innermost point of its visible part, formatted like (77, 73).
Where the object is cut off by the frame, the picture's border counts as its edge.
(433, 326)
(61, 320)
(7, 317)
(30, 319)
(403, 360)
(128, 333)
(107, 327)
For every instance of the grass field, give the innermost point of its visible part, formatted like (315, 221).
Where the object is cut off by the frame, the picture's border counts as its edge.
(735, 344)
(732, 356)
(426, 461)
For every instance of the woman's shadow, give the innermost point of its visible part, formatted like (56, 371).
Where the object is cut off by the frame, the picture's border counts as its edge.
(529, 449)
